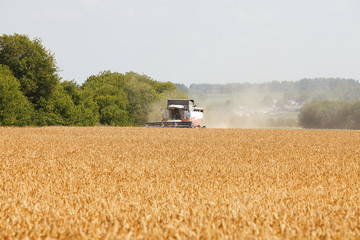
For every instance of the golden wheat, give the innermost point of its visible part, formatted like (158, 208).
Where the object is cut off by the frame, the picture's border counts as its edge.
(140, 183)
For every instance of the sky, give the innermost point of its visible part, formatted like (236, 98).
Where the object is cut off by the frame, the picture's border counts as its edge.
(194, 41)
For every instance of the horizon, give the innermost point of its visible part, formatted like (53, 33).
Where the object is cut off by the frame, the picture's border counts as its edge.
(320, 78)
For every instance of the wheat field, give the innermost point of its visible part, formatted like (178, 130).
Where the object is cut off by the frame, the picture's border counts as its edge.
(156, 183)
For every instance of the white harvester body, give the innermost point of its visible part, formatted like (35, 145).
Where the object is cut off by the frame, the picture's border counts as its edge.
(180, 113)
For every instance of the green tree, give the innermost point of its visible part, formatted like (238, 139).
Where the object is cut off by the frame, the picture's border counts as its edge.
(31, 64)
(114, 116)
(141, 93)
(355, 116)
(57, 109)
(14, 107)
(72, 89)
(107, 90)
(327, 114)
(87, 111)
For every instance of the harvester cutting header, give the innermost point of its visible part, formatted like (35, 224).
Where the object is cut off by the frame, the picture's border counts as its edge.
(180, 113)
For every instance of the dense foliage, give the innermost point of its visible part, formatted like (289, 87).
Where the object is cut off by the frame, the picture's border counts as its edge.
(330, 115)
(15, 109)
(31, 64)
(32, 93)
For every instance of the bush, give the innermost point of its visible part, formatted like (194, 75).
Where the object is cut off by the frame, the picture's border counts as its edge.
(330, 115)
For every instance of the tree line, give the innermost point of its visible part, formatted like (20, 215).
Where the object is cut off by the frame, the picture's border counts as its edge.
(302, 91)
(32, 92)
(330, 115)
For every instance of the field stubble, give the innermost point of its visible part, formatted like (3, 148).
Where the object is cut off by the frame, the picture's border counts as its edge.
(140, 183)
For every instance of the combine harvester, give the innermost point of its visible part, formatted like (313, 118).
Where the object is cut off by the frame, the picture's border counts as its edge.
(180, 113)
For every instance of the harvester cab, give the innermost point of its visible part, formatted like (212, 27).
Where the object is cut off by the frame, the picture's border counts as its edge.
(180, 113)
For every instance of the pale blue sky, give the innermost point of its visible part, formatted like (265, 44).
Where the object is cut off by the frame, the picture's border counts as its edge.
(190, 41)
